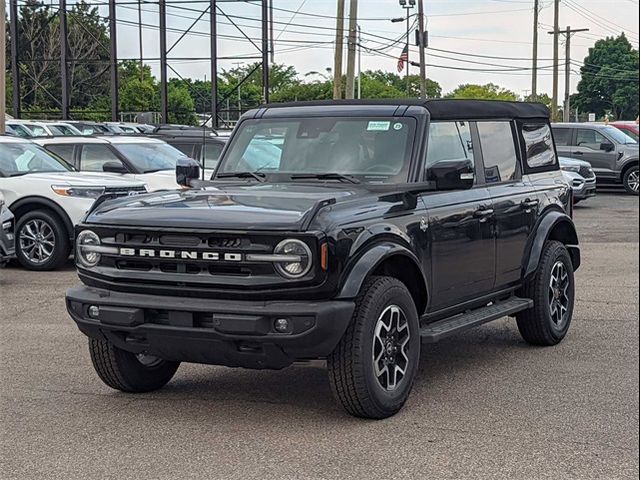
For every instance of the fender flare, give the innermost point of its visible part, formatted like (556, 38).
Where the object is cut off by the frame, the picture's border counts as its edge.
(369, 261)
(546, 225)
(47, 203)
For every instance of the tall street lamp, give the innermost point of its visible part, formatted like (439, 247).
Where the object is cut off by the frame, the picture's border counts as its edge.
(408, 5)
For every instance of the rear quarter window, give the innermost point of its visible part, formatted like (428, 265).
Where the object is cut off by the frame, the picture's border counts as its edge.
(538, 142)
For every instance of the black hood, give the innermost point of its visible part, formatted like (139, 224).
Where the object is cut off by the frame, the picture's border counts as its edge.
(284, 206)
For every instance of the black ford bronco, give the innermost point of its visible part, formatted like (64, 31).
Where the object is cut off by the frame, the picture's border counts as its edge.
(355, 232)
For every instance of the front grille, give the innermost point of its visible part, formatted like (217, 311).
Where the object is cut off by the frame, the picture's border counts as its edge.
(192, 261)
(587, 173)
(117, 190)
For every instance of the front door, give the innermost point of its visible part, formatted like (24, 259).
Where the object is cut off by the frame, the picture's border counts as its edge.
(589, 146)
(459, 225)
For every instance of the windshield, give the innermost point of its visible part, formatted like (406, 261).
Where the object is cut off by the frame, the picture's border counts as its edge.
(374, 150)
(150, 157)
(617, 135)
(68, 130)
(20, 158)
(630, 133)
(20, 131)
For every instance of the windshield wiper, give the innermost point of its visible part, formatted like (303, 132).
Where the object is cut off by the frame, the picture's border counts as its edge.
(156, 170)
(325, 176)
(260, 177)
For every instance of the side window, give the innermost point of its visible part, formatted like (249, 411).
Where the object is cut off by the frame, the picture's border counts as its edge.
(539, 144)
(186, 148)
(449, 141)
(590, 139)
(93, 157)
(562, 136)
(498, 151)
(63, 151)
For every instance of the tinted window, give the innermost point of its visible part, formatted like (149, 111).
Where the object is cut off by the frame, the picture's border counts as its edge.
(449, 141)
(150, 157)
(498, 151)
(63, 151)
(539, 144)
(562, 136)
(590, 139)
(186, 148)
(93, 158)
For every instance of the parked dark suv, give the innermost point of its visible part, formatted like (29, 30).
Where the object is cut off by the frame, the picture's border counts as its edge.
(612, 153)
(380, 226)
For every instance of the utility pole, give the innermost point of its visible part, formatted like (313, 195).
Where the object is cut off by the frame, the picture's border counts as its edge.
(423, 46)
(141, 48)
(556, 33)
(534, 75)
(272, 41)
(3, 80)
(567, 65)
(337, 65)
(164, 94)
(359, 62)
(113, 61)
(351, 49)
(64, 64)
(15, 62)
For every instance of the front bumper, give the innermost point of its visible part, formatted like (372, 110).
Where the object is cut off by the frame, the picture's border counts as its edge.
(7, 240)
(218, 332)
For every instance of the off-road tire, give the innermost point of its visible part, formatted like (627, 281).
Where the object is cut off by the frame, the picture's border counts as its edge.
(62, 246)
(351, 365)
(123, 371)
(627, 180)
(536, 324)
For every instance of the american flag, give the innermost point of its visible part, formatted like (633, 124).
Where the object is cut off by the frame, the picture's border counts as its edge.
(404, 58)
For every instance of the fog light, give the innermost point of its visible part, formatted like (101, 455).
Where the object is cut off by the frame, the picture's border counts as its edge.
(94, 311)
(281, 325)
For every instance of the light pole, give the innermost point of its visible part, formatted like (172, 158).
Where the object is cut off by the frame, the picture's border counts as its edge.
(408, 5)
(359, 62)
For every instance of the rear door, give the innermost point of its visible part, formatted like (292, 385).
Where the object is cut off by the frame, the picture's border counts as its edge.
(460, 235)
(515, 200)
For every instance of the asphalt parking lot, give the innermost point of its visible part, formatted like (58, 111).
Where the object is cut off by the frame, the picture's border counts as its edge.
(485, 405)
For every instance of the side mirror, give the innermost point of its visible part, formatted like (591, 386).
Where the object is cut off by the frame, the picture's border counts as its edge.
(187, 169)
(452, 174)
(607, 146)
(114, 167)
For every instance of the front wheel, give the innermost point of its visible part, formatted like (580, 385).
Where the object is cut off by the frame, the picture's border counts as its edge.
(631, 180)
(128, 372)
(552, 290)
(372, 369)
(42, 241)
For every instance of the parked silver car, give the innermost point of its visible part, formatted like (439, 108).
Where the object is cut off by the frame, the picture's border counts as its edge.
(612, 154)
(580, 176)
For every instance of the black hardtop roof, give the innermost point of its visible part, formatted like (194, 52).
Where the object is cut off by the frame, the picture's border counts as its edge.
(441, 109)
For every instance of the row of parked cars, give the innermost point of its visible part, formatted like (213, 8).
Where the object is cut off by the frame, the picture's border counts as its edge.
(48, 182)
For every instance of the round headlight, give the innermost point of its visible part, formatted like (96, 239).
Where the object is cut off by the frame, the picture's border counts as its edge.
(303, 259)
(86, 255)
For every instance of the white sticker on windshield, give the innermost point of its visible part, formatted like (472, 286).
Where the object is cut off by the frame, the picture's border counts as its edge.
(397, 126)
(379, 126)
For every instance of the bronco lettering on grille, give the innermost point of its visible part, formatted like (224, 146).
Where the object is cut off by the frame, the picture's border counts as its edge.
(181, 255)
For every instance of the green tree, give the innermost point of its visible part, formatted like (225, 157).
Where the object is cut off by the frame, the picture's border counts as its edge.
(609, 82)
(138, 90)
(180, 105)
(489, 91)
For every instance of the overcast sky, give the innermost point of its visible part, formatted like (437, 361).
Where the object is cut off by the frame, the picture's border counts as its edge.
(476, 29)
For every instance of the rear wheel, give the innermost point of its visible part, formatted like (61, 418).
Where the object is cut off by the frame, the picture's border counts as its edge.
(128, 372)
(372, 369)
(42, 241)
(631, 180)
(552, 290)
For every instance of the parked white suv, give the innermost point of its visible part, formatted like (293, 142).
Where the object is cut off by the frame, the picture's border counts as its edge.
(48, 199)
(149, 160)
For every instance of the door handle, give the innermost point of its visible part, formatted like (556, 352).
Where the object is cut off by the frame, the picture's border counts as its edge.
(528, 205)
(483, 213)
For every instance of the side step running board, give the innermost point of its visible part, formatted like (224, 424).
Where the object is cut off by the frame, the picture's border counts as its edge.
(434, 332)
